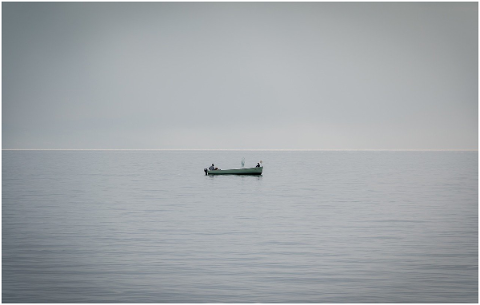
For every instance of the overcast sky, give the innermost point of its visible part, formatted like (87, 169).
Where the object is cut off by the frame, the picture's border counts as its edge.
(240, 75)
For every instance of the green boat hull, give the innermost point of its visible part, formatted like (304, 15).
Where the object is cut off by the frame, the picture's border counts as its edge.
(237, 171)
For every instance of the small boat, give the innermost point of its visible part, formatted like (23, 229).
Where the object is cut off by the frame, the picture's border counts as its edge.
(235, 171)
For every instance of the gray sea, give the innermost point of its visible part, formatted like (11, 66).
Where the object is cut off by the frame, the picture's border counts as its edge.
(317, 226)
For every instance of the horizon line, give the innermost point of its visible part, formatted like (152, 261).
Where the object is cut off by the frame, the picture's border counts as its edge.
(231, 149)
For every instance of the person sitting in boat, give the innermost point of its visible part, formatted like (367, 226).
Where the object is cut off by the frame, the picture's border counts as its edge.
(258, 165)
(213, 167)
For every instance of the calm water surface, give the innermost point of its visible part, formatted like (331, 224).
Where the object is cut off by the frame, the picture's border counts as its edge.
(317, 226)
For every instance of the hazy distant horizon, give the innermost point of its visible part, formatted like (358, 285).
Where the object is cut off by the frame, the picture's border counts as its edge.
(315, 75)
(232, 149)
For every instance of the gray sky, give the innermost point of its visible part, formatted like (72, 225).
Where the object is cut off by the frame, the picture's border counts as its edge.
(240, 75)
